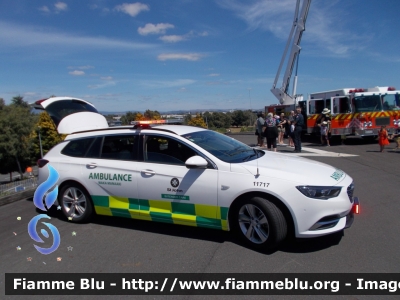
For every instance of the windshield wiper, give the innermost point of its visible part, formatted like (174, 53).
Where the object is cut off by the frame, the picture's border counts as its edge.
(251, 155)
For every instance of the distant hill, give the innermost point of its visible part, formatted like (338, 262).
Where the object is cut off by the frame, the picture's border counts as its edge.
(179, 112)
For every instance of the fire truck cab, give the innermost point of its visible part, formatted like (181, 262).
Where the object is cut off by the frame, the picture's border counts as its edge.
(356, 111)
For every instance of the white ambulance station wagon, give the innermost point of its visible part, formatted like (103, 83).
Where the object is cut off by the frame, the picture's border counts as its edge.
(190, 176)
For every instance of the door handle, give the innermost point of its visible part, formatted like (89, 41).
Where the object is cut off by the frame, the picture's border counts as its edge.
(151, 172)
(91, 166)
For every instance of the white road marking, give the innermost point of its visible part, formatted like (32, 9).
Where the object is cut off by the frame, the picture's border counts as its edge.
(314, 152)
(318, 152)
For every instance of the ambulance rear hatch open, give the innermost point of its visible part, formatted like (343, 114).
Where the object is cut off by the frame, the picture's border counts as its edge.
(72, 114)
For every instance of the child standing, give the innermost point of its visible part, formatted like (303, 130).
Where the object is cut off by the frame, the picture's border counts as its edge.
(324, 133)
(383, 138)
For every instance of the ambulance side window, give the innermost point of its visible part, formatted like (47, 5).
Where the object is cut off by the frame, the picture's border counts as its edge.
(165, 150)
(120, 147)
(94, 150)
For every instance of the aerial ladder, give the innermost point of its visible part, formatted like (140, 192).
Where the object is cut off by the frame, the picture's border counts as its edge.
(282, 93)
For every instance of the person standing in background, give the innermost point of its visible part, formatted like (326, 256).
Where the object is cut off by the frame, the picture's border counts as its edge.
(290, 121)
(383, 138)
(298, 123)
(271, 132)
(282, 128)
(259, 129)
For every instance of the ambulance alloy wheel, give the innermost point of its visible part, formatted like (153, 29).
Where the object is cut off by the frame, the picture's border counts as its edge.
(75, 202)
(259, 223)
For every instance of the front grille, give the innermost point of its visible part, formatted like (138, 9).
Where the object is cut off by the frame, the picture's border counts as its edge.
(350, 191)
(382, 121)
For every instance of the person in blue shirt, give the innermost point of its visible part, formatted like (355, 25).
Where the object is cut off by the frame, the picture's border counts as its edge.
(298, 123)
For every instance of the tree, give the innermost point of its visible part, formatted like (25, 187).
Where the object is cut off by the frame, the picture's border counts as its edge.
(152, 115)
(16, 122)
(138, 116)
(187, 119)
(2, 103)
(197, 121)
(239, 118)
(128, 118)
(221, 120)
(19, 101)
(49, 136)
(209, 119)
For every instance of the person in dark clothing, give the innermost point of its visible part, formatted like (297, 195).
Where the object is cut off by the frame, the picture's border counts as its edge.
(259, 129)
(271, 132)
(298, 123)
(290, 121)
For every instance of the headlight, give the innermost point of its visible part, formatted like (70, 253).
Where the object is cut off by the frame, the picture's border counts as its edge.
(319, 192)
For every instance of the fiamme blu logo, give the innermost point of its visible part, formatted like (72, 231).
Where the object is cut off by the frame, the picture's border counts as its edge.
(42, 192)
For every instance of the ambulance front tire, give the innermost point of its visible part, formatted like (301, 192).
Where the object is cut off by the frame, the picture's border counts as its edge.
(75, 202)
(259, 223)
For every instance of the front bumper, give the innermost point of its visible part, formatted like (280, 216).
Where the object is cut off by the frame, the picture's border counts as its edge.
(333, 223)
(355, 210)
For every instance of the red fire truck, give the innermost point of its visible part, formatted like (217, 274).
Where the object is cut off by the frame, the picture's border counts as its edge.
(353, 111)
(356, 111)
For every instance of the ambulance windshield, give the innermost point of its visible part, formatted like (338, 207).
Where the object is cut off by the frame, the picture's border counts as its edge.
(223, 147)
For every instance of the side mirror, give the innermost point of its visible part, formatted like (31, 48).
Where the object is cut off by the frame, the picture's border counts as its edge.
(196, 162)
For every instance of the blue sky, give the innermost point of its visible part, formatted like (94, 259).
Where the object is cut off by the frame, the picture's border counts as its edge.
(190, 54)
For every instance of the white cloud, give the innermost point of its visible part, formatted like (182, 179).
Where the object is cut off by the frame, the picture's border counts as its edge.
(106, 78)
(26, 36)
(167, 84)
(180, 56)
(81, 67)
(159, 28)
(44, 9)
(102, 85)
(172, 38)
(214, 75)
(60, 6)
(132, 9)
(77, 73)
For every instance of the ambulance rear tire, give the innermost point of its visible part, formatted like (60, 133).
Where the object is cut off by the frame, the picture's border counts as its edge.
(259, 223)
(75, 202)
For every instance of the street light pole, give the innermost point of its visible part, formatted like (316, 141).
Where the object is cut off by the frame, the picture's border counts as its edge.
(251, 110)
(40, 144)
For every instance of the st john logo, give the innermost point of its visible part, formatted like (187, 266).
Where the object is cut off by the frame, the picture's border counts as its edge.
(174, 182)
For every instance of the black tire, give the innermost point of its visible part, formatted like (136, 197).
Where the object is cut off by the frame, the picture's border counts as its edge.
(259, 223)
(75, 202)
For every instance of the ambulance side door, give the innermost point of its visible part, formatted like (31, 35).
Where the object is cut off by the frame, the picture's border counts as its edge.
(170, 192)
(110, 173)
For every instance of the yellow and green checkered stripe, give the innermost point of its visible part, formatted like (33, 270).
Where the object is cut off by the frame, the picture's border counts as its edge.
(198, 215)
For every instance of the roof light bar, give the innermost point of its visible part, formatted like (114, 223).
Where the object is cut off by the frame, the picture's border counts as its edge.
(150, 122)
(357, 91)
(391, 88)
(146, 123)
